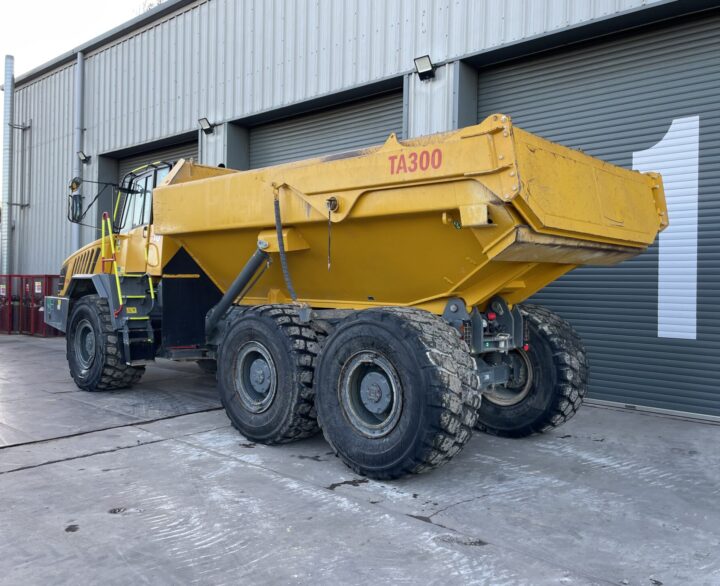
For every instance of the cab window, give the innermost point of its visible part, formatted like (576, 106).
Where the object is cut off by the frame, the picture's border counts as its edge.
(161, 173)
(137, 205)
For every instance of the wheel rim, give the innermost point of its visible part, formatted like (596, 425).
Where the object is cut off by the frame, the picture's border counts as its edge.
(518, 387)
(370, 394)
(255, 377)
(85, 344)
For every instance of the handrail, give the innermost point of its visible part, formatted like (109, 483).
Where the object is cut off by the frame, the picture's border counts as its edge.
(152, 289)
(112, 259)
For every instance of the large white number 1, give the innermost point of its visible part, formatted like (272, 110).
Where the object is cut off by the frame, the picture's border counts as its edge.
(676, 157)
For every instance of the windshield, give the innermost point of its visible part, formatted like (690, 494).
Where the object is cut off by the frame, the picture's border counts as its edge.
(135, 203)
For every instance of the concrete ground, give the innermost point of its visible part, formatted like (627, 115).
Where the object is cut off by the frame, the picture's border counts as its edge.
(152, 485)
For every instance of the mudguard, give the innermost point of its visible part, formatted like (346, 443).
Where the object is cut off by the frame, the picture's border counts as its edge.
(57, 309)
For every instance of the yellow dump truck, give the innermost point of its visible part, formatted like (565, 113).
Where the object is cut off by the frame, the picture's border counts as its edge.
(375, 295)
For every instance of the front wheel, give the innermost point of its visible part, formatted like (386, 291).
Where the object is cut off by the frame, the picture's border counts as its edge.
(548, 381)
(93, 348)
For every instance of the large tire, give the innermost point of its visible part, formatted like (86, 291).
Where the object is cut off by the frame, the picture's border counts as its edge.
(396, 392)
(558, 382)
(271, 343)
(93, 348)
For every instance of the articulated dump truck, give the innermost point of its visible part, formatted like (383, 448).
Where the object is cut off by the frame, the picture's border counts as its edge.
(375, 295)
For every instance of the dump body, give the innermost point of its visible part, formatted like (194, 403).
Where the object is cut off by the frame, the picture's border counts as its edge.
(486, 210)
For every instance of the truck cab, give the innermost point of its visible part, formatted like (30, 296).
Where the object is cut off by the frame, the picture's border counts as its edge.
(139, 249)
(117, 292)
(108, 288)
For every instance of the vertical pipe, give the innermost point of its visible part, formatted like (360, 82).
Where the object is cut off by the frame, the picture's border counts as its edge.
(27, 158)
(78, 144)
(6, 226)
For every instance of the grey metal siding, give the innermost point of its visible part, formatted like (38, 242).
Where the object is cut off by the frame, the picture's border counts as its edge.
(615, 99)
(170, 154)
(43, 168)
(360, 124)
(237, 58)
(229, 59)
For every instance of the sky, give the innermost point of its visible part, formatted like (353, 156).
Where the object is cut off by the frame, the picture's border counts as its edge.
(36, 31)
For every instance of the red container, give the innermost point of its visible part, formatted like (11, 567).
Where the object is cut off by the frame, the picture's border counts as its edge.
(24, 308)
(22, 304)
(15, 288)
(5, 305)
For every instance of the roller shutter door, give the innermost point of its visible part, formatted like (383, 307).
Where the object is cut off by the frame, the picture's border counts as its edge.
(360, 124)
(187, 150)
(647, 100)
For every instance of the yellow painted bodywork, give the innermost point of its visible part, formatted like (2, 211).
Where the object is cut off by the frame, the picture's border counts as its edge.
(497, 211)
(505, 212)
(141, 251)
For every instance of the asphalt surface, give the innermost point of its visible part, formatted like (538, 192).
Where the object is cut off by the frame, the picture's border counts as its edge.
(152, 485)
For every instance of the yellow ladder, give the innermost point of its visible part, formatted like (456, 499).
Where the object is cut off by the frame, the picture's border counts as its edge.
(107, 235)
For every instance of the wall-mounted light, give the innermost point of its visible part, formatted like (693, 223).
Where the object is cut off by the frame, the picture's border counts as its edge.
(424, 67)
(84, 159)
(206, 126)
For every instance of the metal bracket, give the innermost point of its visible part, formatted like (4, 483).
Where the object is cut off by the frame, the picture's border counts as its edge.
(492, 374)
(455, 311)
(456, 315)
(304, 314)
(508, 325)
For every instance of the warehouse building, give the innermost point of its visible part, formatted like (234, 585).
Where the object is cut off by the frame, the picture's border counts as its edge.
(253, 83)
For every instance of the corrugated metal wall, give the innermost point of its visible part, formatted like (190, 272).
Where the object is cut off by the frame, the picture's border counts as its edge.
(229, 59)
(352, 126)
(639, 98)
(43, 168)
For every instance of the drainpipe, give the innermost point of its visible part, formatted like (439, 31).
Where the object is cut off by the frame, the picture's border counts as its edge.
(78, 144)
(6, 225)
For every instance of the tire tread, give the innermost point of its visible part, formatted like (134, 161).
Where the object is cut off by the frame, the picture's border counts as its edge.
(305, 343)
(454, 393)
(116, 374)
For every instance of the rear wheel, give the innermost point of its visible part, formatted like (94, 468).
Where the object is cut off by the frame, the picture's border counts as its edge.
(265, 374)
(396, 392)
(93, 348)
(548, 382)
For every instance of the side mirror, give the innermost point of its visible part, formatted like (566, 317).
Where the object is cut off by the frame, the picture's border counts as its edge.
(75, 213)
